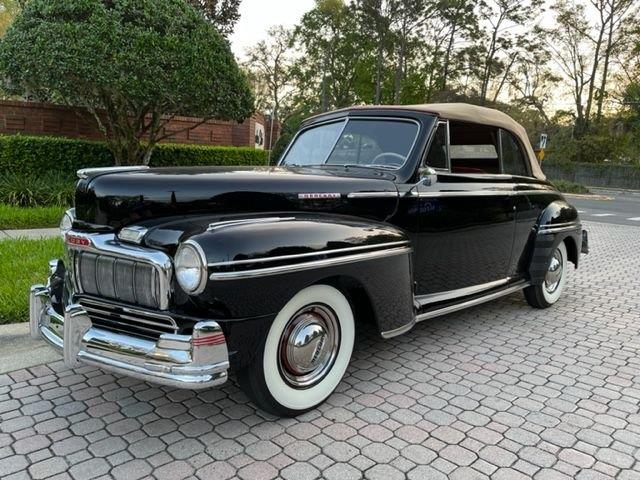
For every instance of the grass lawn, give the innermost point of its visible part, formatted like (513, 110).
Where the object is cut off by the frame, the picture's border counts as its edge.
(29, 217)
(23, 263)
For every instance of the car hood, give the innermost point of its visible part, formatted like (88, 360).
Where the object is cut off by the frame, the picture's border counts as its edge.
(111, 200)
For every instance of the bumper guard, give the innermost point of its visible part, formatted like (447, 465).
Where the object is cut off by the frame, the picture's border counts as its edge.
(192, 361)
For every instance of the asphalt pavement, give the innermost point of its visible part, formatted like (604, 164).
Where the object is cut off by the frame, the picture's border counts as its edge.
(619, 207)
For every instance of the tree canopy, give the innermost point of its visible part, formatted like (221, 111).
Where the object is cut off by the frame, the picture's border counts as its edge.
(563, 67)
(133, 64)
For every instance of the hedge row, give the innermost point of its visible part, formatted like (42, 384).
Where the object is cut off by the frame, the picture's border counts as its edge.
(30, 155)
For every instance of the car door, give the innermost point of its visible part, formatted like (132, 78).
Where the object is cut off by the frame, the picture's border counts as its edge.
(466, 215)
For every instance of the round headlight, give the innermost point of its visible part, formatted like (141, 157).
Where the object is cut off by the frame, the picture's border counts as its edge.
(191, 267)
(66, 222)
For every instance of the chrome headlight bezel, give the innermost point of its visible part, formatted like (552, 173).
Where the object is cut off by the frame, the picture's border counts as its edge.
(197, 266)
(66, 222)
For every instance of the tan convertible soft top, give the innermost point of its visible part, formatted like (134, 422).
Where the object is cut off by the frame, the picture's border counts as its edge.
(465, 112)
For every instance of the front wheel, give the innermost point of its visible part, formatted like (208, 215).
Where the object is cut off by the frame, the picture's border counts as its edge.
(305, 354)
(548, 293)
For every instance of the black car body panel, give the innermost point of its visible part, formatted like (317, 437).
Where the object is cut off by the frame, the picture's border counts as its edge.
(124, 198)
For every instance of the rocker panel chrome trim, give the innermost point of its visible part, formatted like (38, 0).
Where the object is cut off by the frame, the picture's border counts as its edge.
(262, 272)
(471, 303)
(423, 300)
(397, 331)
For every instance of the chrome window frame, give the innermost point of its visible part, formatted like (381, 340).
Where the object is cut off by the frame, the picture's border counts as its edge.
(423, 161)
(346, 121)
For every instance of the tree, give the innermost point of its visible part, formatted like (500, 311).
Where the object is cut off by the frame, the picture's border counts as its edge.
(332, 50)
(222, 13)
(613, 15)
(500, 16)
(132, 64)
(573, 54)
(270, 64)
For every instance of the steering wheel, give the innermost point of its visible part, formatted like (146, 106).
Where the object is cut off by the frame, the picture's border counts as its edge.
(388, 158)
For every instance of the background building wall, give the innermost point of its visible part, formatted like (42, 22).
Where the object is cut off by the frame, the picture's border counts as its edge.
(31, 118)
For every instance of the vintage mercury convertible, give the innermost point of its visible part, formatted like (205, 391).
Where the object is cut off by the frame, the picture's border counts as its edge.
(392, 215)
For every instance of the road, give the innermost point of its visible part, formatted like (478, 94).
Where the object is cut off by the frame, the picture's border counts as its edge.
(609, 206)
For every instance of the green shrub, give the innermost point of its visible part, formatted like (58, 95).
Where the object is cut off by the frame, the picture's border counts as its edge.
(30, 190)
(37, 155)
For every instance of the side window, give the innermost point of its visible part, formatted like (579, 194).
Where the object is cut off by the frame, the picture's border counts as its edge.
(473, 148)
(513, 159)
(437, 156)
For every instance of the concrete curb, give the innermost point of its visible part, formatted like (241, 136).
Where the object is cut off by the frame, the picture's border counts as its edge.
(19, 350)
(35, 233)
(588, 196)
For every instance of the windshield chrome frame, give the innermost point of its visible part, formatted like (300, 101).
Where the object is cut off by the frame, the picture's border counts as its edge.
(346, 121)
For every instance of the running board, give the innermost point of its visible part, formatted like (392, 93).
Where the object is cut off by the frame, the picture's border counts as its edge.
(472, 302)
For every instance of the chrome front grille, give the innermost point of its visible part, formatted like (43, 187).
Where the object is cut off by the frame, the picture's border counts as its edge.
(127, 320)
(130, 281)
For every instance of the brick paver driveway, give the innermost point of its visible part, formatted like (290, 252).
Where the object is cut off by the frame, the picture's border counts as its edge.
(500, 390)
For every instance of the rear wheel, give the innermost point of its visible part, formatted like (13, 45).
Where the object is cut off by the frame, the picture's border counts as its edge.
(305, 354)
(548, 293)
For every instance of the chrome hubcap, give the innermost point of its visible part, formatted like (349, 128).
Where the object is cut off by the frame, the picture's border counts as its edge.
(554, 273)
(308, 346)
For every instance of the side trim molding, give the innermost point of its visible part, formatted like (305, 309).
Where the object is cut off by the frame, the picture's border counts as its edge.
(480, 193)
(282, 269)
(354, 195)
(308, 254)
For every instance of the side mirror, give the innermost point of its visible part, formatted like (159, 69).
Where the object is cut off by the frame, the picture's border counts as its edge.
(427, 175)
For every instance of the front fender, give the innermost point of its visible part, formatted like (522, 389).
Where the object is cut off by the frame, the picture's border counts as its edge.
(257, 264)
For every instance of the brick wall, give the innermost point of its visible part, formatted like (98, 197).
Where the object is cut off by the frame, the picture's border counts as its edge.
(30, 118)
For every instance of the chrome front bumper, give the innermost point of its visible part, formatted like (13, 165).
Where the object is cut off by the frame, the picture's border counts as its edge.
(192, 361)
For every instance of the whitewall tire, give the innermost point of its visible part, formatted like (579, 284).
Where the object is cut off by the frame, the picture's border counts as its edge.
(305, 355)
(549, 292)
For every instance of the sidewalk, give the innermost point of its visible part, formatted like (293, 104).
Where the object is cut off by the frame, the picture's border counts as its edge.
(19, 350)
(31, 233)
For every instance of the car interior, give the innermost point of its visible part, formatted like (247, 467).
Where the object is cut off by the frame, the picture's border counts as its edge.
(475, 148)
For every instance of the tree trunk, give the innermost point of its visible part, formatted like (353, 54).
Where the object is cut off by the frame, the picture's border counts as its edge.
(397, 91)
(379, 59)
(594, 71)
(447, 57)
(605, 68)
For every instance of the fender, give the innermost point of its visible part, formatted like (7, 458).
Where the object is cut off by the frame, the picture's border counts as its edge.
(257, 264)
(558, 222)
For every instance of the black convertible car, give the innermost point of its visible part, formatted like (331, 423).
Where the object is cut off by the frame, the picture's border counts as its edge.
(392, 215)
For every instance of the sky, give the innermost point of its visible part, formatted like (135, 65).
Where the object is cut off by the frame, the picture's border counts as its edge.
(257, 16)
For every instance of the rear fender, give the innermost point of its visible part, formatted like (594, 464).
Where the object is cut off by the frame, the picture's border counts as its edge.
(559, 222)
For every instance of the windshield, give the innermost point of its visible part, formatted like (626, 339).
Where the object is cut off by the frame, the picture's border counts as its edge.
(354, 142)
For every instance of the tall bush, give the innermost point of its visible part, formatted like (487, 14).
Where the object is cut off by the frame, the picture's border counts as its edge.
(134, 64)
